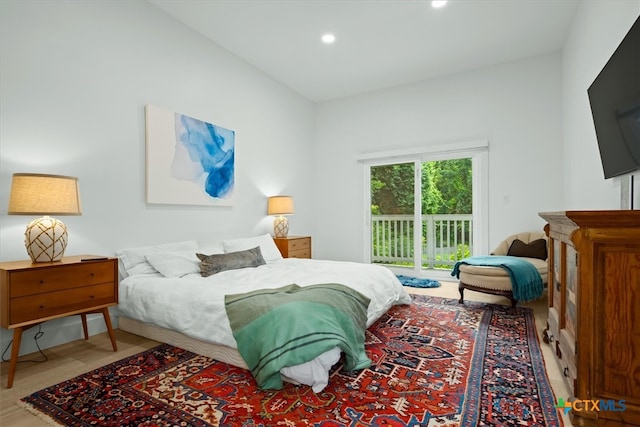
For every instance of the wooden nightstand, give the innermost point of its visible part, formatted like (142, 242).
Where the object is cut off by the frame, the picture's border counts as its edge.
(294, 246)
(32, 293)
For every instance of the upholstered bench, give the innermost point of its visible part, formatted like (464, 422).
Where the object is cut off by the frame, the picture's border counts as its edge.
(530, 246)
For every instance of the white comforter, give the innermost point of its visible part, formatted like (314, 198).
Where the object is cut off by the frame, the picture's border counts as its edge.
(194, 305)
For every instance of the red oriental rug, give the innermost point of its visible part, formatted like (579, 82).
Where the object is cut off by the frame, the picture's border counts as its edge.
(435, 363)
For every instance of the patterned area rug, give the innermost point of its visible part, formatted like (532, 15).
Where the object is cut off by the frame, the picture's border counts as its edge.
(415, 282)
(435, 363)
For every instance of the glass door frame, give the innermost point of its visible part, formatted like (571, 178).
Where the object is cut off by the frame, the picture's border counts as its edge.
(477, 151)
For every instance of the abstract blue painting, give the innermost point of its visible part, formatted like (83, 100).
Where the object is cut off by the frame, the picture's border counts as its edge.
(189, 161)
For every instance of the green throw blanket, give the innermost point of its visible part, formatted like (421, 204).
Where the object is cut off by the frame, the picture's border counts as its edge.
(525, 280)
(287, 326)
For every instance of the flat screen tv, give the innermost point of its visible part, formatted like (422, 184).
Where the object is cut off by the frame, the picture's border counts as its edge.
(615, 106)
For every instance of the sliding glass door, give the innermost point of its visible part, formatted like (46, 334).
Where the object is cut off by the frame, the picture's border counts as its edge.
(393, 214)
(422, 213)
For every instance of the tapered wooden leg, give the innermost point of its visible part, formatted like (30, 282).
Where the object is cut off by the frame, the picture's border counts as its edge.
(15, 351)
(107, 321)
(84, 326)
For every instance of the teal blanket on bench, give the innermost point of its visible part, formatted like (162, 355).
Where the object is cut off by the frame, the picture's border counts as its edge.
(525, 280)
(276, 328)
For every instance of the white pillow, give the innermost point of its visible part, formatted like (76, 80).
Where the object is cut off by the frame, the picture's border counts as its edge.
(270, 251)
(133, 261)
(211, 248)
(174, 264)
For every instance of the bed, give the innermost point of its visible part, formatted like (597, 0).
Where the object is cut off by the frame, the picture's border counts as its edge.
(164, 296)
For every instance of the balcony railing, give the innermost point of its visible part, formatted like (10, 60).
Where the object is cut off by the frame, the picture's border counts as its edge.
(444, 240)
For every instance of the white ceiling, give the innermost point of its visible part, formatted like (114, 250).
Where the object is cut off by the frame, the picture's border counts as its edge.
(380, 43)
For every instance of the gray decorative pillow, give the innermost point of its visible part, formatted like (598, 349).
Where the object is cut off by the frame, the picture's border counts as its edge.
(212, 264)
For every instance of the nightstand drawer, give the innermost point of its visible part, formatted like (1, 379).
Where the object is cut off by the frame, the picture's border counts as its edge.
(294, 246)
(37, 281)
(54, 303)
(303, 253)
(299, 244)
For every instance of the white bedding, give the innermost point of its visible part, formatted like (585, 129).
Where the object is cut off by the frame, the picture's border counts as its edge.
(194, 305)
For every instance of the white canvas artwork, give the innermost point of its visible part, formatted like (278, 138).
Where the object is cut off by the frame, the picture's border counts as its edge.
(189, 161)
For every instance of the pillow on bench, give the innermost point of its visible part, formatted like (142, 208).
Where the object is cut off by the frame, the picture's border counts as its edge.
(534, 249)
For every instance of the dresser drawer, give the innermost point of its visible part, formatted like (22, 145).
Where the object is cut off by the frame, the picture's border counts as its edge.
(39, 280)
(566, 362)
(44, 305)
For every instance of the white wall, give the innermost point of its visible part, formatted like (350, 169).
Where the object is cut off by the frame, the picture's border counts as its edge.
(515, 106)
(598, 29)
(75, 77)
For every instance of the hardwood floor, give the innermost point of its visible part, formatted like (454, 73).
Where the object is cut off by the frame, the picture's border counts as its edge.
(77, 357)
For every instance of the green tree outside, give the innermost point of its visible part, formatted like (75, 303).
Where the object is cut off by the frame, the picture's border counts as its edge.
(446, 189)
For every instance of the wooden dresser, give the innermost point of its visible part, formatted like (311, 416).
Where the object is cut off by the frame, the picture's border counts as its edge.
(594, 312)
(294, 246)
(32, 293)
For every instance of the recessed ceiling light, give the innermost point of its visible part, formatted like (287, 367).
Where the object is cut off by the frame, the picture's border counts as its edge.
(437, 4)
(328, 38)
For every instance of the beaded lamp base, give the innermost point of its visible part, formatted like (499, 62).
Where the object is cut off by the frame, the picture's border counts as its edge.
(281, 226)
(45, 239)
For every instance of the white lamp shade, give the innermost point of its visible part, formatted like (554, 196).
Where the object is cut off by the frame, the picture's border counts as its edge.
(280, 205)
(39, 194)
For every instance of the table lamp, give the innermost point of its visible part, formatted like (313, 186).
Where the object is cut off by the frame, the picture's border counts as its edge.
(280, 206)
(40, 194)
